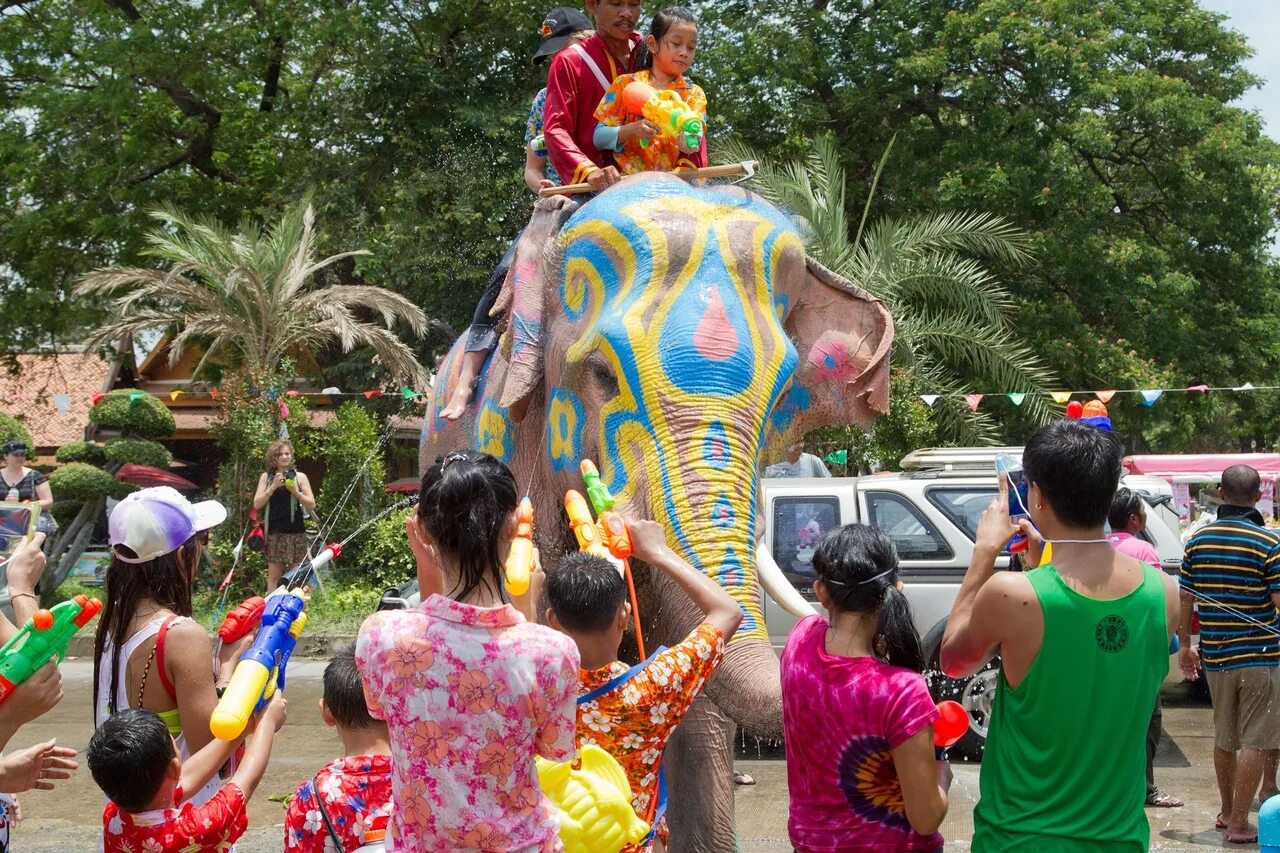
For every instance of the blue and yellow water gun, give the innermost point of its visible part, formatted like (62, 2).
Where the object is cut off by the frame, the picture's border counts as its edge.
(261, 669)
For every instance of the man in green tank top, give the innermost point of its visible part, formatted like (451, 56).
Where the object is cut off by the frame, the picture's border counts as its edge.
(1084, 645)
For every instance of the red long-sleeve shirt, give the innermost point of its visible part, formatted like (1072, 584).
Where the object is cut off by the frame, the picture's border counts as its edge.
(573, 93)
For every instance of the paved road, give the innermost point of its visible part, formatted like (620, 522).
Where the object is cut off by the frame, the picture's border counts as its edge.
(70, 817)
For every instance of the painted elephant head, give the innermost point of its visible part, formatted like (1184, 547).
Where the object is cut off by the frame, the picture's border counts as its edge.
(670, 332)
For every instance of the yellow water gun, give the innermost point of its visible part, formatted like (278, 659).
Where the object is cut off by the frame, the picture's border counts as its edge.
(666, 109)
(594, 800)
(519, 563)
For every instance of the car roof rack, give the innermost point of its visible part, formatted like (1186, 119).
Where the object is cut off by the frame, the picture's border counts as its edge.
(956, 458)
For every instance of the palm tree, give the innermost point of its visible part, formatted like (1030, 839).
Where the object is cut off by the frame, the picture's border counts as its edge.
(949, 313)
(250, 296)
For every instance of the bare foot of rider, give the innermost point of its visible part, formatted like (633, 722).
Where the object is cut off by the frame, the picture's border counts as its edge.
(457, 402)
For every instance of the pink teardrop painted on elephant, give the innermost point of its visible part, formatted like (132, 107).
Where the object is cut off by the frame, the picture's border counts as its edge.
(715, 337)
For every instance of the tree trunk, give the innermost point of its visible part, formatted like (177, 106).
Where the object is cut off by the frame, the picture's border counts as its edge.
(61, 565)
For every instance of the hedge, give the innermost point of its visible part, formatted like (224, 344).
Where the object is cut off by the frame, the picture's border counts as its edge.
(138, 451)
(81, 481)
(81, 451)
(145, 417)
(11, 428)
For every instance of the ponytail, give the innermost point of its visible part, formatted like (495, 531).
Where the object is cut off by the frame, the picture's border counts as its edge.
(896, 641)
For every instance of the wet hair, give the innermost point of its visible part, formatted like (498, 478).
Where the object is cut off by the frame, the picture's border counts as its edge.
(1239, 484)
(1125, 503)
(344, 692)
(859, 566)
(660, 26)
(1077, 467)
(465, 502)
(273, 450)
(129, 755)
(585, 591)
(164, 581)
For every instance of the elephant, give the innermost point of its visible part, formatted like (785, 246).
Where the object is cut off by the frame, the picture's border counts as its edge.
(673, 334)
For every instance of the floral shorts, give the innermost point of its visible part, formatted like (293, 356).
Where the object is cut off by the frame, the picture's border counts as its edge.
(287, 548)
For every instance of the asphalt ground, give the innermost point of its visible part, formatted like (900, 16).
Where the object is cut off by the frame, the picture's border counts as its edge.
(70, 817)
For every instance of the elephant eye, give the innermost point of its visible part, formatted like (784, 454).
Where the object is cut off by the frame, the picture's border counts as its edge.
(602, 374)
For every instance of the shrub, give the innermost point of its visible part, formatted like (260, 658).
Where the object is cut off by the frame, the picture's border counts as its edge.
(385, 558)
(65, 511)
(351, 448)
(11, 428)
(145, 417)
(81, 451)
(81, 481)
(138, 451)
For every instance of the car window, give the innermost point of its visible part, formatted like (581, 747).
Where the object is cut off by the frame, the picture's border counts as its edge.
(963, 506)
(912, 534)
(798, 526)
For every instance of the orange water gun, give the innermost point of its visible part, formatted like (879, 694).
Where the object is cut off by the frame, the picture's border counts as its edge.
(606, 537)
(519, 563)
(666, 109)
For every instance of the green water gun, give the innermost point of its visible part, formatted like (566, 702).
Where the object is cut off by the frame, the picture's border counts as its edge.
(44, 638)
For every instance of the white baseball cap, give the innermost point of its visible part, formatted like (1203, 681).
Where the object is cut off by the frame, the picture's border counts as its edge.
(157, 521)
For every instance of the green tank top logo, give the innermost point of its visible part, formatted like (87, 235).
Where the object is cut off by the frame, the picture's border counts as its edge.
(1111, 634)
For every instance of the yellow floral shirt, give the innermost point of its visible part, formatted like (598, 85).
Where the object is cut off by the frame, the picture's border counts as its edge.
(633, 722)
(662, 154)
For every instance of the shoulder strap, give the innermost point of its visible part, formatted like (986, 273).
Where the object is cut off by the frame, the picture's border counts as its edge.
(620, 679)
(164, 676)
(324, 813)
(591, 63)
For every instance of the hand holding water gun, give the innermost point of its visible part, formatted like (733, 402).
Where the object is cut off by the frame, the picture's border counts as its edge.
(666, 109)
(42, 639)
(261, 670)
(519, 565)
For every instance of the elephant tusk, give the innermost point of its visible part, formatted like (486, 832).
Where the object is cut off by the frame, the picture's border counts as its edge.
(778, 587)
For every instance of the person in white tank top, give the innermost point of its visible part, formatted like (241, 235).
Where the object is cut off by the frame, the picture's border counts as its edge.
(148, 652)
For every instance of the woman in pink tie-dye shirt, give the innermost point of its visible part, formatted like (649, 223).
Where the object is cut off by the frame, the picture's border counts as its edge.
(469, 689)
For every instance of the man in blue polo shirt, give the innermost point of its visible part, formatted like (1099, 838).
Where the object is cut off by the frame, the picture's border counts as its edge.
(1231, 568)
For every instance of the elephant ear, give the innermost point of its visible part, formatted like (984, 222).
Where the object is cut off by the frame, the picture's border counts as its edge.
(843, 336)
(522, 292)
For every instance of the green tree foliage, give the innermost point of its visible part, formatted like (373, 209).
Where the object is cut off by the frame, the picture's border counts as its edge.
(81, 481)
(385, 559)
(11, 428)
(355, 479)
(120, 451)
(1104, 129)
(133, 413)
(81, 451)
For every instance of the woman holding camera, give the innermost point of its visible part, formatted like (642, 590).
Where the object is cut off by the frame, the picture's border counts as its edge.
(286, 494)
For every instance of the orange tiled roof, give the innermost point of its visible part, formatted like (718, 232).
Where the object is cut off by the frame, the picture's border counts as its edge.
(29, 394)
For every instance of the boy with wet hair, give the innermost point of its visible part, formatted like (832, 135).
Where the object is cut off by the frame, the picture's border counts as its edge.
(348, 803)
(630, 712)
(134, 760)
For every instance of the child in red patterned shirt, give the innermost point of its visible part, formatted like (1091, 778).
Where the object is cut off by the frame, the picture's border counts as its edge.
(347, 804)
(134, 761)
(631, 712)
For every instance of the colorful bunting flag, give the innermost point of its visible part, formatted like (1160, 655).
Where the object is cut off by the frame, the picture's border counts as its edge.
(95, 398)
(215, 393)
(1248, 386)
(332, 389)
(973, 400)
(1149, 397)
(1060, 396)
(176, 393)
(1017, 397)
(62, 402)
(284, 411)
(1198, 389)
(929, 399)
(839, 457)
(1104, 396)
(293, 392)
(369, 395)
(409, 393)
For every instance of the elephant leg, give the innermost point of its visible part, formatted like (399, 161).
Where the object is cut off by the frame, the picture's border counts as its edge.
(699, 768)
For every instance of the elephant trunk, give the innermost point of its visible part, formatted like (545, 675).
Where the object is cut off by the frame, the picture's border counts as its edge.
(747, 685)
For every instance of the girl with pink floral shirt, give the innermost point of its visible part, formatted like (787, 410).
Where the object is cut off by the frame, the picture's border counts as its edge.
(469, 689)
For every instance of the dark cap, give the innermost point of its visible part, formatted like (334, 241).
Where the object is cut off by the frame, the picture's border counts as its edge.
(13, 445)
(557, 28)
